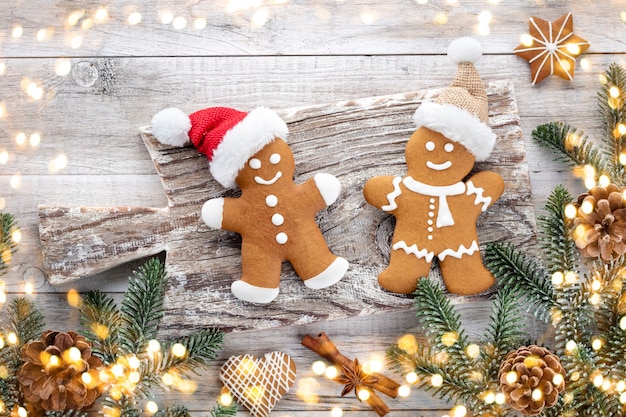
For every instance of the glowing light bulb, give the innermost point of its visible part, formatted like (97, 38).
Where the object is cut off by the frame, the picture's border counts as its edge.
(20, 139)
(199, 23)
(86, 378)
(21, 412)
(408, 343)
(117, 370)
(436, 380)
(261, 16)
(536, 394)
(604, 180)
(570, 346)
(500, 398)
(34, 140)
(411, 378)
(134, 362)
(570, 210)
(459, 411)
(404, 391)
(226, 399)
(318, 367)
(102, 14)
(363, 394)
(179, 23)
(620, 386)
(596, 285)
(17, 31)
(558, 278)
(489, 397)
(573, 48)
(596, 344)
(151, 407)
(331, 372)
(375, 365)
(526, 40)
(166, 17)
(12, 338)
(622, 323)
(449, 338)
(614, 92)
(598, 380)
(571, 277)
(153, 346)
(62, 66)
(622, 398)
(587, 206)
(585, 64)
(440, 18)
(511, 377)
(485, 17)
(595, 299)
(557, 379)
(134, 18)
(179, 350)
(336, 412)
(622, 158)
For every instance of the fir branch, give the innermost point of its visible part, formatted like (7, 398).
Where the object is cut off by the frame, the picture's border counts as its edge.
(560, 252)
(25, 320)
(201, 347)
(522, 275)
(100, 322)
(8, 247)
(557, 136)
(175, 411)
(68, 413)
(142, 306)
(613, 114)
(224, 411)
(504, 333)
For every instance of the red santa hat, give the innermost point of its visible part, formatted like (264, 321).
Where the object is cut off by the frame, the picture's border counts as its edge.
(460, 111)
(227, 137)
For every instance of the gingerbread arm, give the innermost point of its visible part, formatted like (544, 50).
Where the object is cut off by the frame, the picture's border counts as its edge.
(381, 192)
(322, 190)
(486, 187)
(223, 213)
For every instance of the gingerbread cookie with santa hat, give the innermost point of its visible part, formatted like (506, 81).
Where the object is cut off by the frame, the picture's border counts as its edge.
(435, 205)
(274, 216)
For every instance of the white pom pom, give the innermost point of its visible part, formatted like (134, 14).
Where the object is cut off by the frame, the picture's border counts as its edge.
(464, 50)
(171, 126)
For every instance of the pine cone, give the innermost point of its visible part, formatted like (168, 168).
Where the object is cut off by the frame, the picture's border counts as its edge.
(527, 379)
(52, 373)
(602, 231)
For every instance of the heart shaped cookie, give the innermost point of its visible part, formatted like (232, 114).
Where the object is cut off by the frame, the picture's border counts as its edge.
(258, 384)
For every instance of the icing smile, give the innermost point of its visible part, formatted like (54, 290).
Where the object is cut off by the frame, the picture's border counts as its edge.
(438, 167)
(262, 181)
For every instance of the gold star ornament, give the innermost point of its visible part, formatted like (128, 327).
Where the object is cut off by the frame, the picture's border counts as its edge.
(551, 48)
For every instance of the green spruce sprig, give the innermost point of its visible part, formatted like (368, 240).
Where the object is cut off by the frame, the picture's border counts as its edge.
(450, 366)
(118, 333)
(611, 99)
(8, 247)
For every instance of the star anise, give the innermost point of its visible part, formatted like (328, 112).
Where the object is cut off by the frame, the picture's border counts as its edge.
(355, 379)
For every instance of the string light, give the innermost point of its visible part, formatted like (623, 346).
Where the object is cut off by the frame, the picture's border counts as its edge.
(571, 278)
(226, 399)
(331, 372)
(500, 398)
(404, 391)
(449, 338)
(472, 351)
(101, 14)
(151, 407)
(179, 23)
(597, 380)
(622, 323)
(318, 368)
(363, 394)
(21, 412)
(17, 31)
(134, 18)
(489, 397)
(336, 412)
(200, 23)
(511, 377)
(12, 338)
(459, 411)
(411, 378)
(558, 278)
(596, 344)
(436, 380)
(570, 346)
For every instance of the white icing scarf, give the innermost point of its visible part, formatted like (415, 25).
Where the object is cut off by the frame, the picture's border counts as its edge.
(444, 216)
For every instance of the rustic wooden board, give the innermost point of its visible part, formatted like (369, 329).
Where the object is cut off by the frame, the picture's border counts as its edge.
(353, 140)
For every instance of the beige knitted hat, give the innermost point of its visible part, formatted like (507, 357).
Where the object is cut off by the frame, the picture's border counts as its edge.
(460, 111)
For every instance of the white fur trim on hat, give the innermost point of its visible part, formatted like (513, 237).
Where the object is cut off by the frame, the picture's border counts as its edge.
(250, 135)
(464, 50)
(171, 126)
(458, 125)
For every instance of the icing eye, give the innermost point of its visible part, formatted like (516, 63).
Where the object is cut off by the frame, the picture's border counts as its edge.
(448, 147)
(274, 158)
(254, 163)
(430, 146)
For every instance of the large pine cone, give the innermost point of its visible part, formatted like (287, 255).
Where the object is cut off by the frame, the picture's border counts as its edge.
(52, 373)
(528, 379)
(601, 231)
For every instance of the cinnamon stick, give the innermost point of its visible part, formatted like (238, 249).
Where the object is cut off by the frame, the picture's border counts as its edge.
(322, 345)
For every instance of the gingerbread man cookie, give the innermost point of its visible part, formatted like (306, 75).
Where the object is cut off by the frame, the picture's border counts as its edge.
(274, 216)
(435, 208)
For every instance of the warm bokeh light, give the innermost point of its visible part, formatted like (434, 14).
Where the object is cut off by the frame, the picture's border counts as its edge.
(489, 397)
(363, 394)
(408, 343)
(134, 18)
(472, 350)
(73, 298)
(318, 367)
(179, 350)
(226, 399)
(20, 139)
(12, 338)
(585, 64)
(153, 346)
(526, 40)
(336, 412)
(449, 338)
(34, 140)
(179, 23)
(17, 31)
(570, 211)
(16, 181)
(459, 411)
(151, 407)
(29, 289)
(440, 18)
(404, 391)
(101, 14)
(436, 380)
(62, 66)
(500, 398)
(4, 157)
(412, 378)
(331, 372)
(200, 23)
(570, 346)
(511, 377)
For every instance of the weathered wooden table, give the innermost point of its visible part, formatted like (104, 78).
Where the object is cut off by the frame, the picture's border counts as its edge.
(76, 85)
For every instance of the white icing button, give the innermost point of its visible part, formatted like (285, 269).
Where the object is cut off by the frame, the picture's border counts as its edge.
(432, 200)
(430, 229)
(431, 214)
(430, 237)
(281, 238)
(278, 219)
(430, 222)
(432, 207)
(271, 200)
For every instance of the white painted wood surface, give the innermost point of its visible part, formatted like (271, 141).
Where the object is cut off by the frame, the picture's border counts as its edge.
(304, 53)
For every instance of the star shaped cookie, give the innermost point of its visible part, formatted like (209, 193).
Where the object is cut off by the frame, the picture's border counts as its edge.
(551, 48)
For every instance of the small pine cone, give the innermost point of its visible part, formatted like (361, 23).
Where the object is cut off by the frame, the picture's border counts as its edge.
(52, 373)
(528, 379)
(600, 223)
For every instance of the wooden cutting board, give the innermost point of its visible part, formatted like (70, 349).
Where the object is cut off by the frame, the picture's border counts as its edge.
(353, 140)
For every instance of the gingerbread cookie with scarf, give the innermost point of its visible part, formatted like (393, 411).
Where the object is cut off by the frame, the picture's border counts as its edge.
(435, 207)
(274, 216)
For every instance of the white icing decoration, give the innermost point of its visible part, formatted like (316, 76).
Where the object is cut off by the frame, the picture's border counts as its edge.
(254, 163)
(273, 376)
(262, 181)
(391, 197)
(444, 216)
(271, 200)
(212, 213)
(329, 187)
(253, 294)
(448, 147)
(439, 167)
(419, 253)
(278, 219)
(430, 146)
(282, 238)
(471, 189)
(432, 206)
(462, 250)
(274, 158)
(330, 276)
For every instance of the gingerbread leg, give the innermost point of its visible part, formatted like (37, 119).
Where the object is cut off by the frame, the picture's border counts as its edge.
(404, 271)
(260, 277)
(466, 275)
(320, 268)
